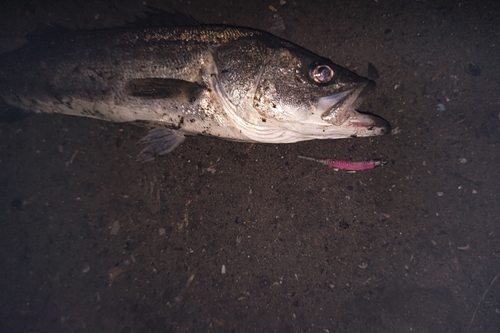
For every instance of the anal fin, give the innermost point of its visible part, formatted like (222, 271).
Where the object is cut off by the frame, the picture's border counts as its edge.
(160, 141)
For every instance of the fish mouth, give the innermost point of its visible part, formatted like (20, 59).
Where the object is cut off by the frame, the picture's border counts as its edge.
(340, 111)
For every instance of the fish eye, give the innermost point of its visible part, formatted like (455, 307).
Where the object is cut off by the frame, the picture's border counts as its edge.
(321, 74)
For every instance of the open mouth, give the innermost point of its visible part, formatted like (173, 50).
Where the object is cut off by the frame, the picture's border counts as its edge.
(341, 110)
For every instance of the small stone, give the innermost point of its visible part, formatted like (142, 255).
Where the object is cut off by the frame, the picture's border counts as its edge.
(223, 269)
(162, 231)
(115, 228)
(113, 272)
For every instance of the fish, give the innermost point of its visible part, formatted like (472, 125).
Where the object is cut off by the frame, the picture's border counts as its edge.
(233, 83)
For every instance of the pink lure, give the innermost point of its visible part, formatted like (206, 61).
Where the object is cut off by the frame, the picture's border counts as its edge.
(347, 165)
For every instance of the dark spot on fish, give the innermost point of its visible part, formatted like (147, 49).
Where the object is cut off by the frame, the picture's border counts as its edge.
(273, 106)
(192, 120)
(179, 125)
(58, 98)
(263, 120)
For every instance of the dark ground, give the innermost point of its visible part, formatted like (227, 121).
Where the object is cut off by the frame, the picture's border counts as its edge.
(305, 248)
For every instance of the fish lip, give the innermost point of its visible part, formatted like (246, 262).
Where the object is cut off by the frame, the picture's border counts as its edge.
(370, 122)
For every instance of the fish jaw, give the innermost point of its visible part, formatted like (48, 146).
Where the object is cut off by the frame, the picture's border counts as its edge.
(366, 124)
(341, 113)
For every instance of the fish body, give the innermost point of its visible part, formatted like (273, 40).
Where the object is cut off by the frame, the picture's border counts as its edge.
(234, 83)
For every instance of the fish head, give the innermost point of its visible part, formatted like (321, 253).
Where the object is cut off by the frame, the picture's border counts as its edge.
(296, 95)
(313, 98)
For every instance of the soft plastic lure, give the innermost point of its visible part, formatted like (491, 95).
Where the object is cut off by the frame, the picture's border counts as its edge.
(349, 166)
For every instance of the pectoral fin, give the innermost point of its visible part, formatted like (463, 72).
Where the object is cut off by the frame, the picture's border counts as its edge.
(160, 141)
(156, 88)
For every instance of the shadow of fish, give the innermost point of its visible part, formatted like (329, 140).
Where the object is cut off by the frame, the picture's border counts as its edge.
(233, 83)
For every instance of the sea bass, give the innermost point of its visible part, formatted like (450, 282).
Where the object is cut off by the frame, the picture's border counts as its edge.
(234, 83)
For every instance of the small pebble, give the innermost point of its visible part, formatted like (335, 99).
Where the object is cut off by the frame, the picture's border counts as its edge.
(223, 269)
(86, 269)
(115, 228)
(113, 272)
